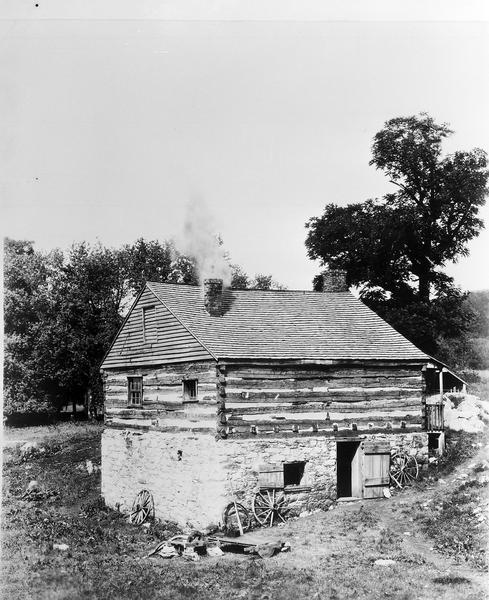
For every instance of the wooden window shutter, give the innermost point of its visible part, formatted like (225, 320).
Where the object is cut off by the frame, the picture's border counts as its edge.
(376, 465)
(271, 476)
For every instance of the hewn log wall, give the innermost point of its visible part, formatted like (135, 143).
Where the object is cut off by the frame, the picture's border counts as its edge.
(163, 405)
(273, 399)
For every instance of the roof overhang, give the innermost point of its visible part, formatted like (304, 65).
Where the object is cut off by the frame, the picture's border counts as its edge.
(439, 366)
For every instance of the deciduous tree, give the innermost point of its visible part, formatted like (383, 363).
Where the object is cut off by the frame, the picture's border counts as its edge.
(401, 242)
(395, 249)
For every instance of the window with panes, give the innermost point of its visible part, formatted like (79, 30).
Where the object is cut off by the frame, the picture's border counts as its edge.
(135, 390)
(190, 390)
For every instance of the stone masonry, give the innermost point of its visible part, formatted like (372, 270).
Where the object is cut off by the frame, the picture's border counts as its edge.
(187, 488)
(318, 487)
(193, 486)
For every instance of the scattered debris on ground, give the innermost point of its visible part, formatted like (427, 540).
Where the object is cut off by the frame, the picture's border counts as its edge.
(35, 492)
(451, 580)
(197, 545)
(268, 549)
(91, 467)
(62, 547)
(384, 562)
(30, 450)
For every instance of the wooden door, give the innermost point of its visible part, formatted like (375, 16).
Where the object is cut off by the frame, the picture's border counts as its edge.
(356, 473)
(376, 463)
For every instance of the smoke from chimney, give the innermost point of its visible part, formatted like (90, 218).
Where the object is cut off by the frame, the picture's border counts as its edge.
(201, 242)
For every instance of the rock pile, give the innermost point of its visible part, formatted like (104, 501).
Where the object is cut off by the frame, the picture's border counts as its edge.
(464, 412)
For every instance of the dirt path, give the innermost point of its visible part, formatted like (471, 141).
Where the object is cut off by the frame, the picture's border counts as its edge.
(414, 539)
(384, 528)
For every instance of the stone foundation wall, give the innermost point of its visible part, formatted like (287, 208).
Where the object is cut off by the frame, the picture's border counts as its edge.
(189, 491)
(243, 457)
(318, 486)
(415, 443)
(194, 490)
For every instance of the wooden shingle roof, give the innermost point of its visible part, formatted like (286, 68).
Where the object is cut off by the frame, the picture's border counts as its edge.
(299, 325)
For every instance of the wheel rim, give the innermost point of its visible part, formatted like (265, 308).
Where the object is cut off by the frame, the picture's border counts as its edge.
(231, 514)
(268, 507)
(404, 469)
(142, 508)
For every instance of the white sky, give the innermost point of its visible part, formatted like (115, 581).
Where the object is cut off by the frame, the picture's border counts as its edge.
(112, 125)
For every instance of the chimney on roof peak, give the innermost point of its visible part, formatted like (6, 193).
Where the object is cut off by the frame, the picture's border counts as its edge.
(334, 280)
(213, 296)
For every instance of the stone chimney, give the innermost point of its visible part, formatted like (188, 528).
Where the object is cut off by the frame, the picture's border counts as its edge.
(213, 296)
(334, 280)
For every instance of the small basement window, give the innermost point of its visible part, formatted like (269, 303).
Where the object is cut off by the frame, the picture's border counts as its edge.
(294, 473)
(436, 443)
(135, 391)
(190, 390)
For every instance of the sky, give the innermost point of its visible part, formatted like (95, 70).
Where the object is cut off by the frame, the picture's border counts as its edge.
(117, 120)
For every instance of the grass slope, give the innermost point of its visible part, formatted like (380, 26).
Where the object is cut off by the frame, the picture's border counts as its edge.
(455, 514)
(332, 554)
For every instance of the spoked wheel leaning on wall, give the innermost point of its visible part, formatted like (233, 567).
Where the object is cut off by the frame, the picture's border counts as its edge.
(142, 508)
(404, 468)
(236, 518)
(269, 507)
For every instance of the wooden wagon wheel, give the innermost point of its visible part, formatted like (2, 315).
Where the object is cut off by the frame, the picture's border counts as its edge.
(142, 508)
(404, 468)
(268, 506)
(236, 518)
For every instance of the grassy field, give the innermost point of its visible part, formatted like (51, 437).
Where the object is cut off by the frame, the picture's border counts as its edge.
(434, 532)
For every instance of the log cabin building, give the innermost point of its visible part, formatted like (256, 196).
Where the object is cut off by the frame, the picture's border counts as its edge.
(212, 394)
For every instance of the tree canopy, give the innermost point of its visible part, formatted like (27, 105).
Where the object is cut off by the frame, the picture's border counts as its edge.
(62, 311)
(394, 249)
(242, 281)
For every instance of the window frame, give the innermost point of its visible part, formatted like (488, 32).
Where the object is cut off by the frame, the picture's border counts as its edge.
(302, 485)
(186, 396)
(130, 390)
(144, 312)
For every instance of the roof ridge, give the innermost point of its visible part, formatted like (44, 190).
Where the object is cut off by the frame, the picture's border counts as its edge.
(196, 285)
